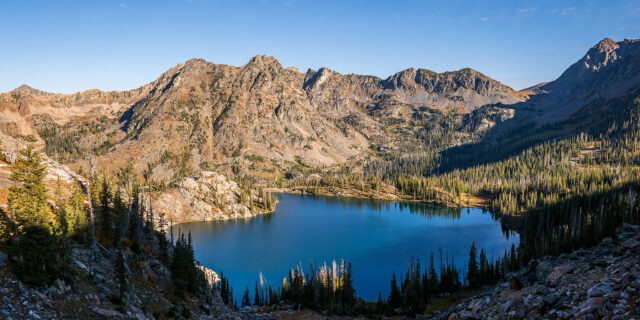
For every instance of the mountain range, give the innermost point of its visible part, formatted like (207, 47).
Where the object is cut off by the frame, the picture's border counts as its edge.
(272, 124)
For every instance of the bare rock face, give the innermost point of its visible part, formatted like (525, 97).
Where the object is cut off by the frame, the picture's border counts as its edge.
(464, 89)
(210, 276)
(207, 196)
(58, 172)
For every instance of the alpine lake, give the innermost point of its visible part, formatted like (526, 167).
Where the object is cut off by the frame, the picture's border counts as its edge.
(379, 238)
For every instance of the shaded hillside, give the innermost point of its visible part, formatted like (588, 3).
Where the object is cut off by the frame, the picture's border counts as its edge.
(589, 95)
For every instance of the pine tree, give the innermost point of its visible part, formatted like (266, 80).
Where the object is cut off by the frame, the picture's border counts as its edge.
(433, 276)
(225, 290)
(256, 295)
(245, 297)
(484, 268)
(513, 259)
(134, 232)
(381, 305)
(60, 210)
(39, 256)
(119, 209)
(121, 275)
(348, 292)
(395, 298)
(28, 199)
(472, 272)
(106, 219)
(76, 217)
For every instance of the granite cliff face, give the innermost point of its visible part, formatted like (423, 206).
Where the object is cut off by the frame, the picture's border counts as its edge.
(465, 89)
(208, 196)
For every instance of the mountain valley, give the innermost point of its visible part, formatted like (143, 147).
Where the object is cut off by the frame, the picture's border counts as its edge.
(558, 163)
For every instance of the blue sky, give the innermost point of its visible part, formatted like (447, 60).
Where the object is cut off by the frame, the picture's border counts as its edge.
(70, 46)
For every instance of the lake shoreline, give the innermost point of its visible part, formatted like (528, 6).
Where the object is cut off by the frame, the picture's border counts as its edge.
(340, 192)
(227, 218)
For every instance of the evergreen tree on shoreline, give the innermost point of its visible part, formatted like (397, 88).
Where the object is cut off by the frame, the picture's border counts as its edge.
(473, 271)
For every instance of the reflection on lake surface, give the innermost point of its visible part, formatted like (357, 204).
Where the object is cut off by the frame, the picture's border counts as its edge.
(377, 237)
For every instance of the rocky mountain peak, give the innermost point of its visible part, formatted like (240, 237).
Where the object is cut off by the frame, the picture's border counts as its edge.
(264, 62)
(29, 90)
(195, 63)
(317, 78)
(604, 54)
(403, 79)
(607, 52)
(601, 54)
(431, 81)
(606, 44)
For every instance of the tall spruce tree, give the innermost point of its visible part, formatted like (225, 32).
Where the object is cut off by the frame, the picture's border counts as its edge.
(256, 295)
(76, 216)
(121, 275)
(106, 219)
(120, 217)
(472, 271)
(395, 298)
(484, 274)
(28, 198)
(245, 297)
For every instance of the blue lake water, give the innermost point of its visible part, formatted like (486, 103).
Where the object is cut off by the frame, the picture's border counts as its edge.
(377, 237)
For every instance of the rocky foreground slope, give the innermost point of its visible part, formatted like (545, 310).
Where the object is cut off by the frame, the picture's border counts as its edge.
(602, 282)
(91, 294)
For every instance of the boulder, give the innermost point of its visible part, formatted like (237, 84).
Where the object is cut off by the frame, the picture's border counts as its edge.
(631, 244)
(558, 272)
(3, 259)
(550, 300)
(591, 305)
(600, 290)
(107, 312)
(543, 269)
(630, 228)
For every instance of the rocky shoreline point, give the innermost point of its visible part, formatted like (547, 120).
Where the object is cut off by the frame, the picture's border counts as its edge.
(602, 282)
(207, 196)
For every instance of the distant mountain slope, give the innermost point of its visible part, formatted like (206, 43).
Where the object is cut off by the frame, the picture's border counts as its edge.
(608, 70)
(589, 94)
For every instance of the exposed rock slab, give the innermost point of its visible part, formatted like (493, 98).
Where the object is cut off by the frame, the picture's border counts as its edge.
(207, 196)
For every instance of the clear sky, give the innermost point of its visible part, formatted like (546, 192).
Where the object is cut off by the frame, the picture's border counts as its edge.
(70, 46)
